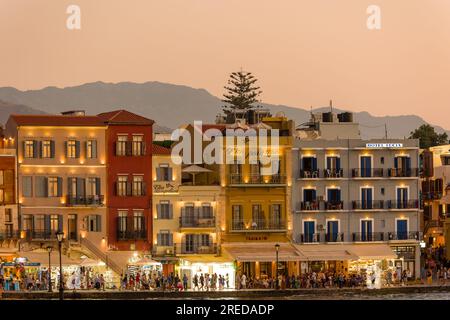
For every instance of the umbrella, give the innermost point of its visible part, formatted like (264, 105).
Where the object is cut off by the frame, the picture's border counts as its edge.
(195, 169)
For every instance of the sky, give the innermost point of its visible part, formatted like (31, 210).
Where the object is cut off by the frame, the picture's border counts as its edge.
(304, 53)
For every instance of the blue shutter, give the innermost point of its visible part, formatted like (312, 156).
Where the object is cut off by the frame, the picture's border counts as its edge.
(314, 164)
(328, 162)
(396, 162)
(338, 163)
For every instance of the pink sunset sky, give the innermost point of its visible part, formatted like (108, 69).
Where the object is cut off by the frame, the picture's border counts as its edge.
(303, 52)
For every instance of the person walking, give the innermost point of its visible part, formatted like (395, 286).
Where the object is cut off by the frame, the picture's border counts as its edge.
(227, 280)
(243, 281)
(185, 282)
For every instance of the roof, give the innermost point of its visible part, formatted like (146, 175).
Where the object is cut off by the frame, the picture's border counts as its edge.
(157, 149)
(124, 117)
(56, 120)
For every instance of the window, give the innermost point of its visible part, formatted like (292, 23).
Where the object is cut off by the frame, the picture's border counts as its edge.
(257, 215)
(206, 211)
(122, 182)
(30, 149)
(2, 197)
(275, 215)
(27, 186)
(205, 240)
(382, 191)
(39, 223)
(54, 223)
(72, 149)
(122, 220)
(382, 160)
(27, 222)
(164, 172)
(93, 186)
(8, 215)
(138, 221)
(121, 145)
(446, 160)
(53, 187)
(165, 238)
(94, 223)
(1, 177)
(47, 149)
(138, 145)
(164, 210)
(138, 185)
(91, 149)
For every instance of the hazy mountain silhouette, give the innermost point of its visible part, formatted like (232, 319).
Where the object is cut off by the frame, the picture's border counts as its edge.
(170, 105)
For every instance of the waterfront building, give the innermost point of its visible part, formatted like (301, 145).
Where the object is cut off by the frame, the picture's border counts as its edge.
(356, 201)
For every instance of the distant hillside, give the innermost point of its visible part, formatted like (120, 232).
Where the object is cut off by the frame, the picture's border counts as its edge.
(7, 108)
(171, 105)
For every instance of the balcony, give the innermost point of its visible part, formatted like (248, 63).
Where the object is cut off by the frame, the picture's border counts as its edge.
(308, 238)
(334, 205)
(333, 173)
(367, 236)
(367, 173)
(405, 204)
(132, 234)
(95, 200)
(257, 225)
(334, 237)
(412, 235)
(197, 222)
(309, 205)
(403, 173)
(368, 205)
(257, 179)
(9, 234)
(309, 174)
(41, 234)
(433, 195)
(189, 248)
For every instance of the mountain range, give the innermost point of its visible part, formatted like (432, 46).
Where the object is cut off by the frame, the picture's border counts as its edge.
(172, 105)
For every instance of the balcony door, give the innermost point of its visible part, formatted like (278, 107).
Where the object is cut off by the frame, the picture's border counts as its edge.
(257, 216)
(366, 230)
(402, 198)
(309, 164)
(189, 243)
(402, 165)
(309, 229)
(402, 229)
(188, 214)
(72, 227)
(366, 166)
(366, 198)
(332, 230)
(237, 217)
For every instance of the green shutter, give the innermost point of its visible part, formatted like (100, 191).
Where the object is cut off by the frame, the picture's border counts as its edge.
(52, 148)
(77, 149)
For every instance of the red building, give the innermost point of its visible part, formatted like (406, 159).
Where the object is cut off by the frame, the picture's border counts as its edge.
(129, 140)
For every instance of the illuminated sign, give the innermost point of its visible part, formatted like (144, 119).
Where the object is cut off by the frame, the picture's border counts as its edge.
(384, 145)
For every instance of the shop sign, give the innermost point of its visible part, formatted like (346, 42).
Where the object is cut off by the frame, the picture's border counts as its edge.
(383, 145)
(161, 187)
(253, 238)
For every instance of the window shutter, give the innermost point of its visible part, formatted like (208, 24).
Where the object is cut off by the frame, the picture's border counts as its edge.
(47, 223)
(23, 149)
(77, 149)
(27, 186)
(65, 148)
(45, 187)
(60, 186)
(60, 222)
(158, 240)
(94, 148)
(97, 187)
(99, 222)
(144, 189)
(338, 163)
(158, 174)
(170, 174)
(52, 148)
(39, 147)
(69, 186)
(81, 187)
(144, 148)
(170, 239)
(35, 149)
(129, 190)
(158, 211)
(170, 211)
(128, 148)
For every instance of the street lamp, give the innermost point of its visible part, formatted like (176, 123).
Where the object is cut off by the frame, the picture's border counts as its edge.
(277, 248)
(49, 249)
(60, 237)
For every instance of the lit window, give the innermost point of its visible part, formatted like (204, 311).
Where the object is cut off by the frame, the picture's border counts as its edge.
(138, 185)
(71, 149)
(46, 149)
(121, 145)
(138, 145)
(52, 186)
(122, 185)
(29, 149)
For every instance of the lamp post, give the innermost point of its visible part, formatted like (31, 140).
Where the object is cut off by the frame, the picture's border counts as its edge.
(49, 249)
(277, 248)
(60, 237)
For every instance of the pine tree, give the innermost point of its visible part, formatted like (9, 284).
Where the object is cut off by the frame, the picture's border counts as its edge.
(242, 93)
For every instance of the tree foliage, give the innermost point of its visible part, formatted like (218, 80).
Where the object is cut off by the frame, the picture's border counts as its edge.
(428, 137)
(241, 92)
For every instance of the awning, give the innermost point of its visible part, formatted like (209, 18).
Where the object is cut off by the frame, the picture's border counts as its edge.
(42, 258)
(324, 252)
(207, 259)
(124, 258)
(88, 262)
(262, 252)
(335, 252)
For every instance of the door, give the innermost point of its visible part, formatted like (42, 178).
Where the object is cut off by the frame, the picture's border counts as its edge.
(402, 198)
(366, 230)
(189, 245)
(309, 200)
(188, 215)
(257, 217)
(366, 198)
(402, 229)
(366, 166)
(309, 228)
(332, 231)
(72, 226)
(402, 166)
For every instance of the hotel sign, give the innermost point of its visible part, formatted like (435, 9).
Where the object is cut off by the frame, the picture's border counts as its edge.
(164, 187)
(383, 145)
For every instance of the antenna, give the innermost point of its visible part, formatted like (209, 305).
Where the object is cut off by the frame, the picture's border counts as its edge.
(331, 105)
(385, 131)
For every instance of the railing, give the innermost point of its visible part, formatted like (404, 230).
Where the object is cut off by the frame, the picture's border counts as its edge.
(368, 205)
(333, 173)
(308, 174)
(188, 248)
(197, 222)
(9, 235)
(308, 238)
(131, 234)
(101, 255)
(432, 195)
(309, 205)
(403, 172)
(257, 179)
(405, 204)
(334, 205)
(38, 234)
(241, 225)
(169, 250)
(334, 237)
(367, 172)
(368, 236)
(95, 200)
(412, 235)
